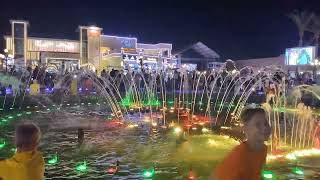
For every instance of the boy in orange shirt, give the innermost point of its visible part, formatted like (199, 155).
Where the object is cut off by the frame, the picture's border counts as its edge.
(27, 163)
(246, 160)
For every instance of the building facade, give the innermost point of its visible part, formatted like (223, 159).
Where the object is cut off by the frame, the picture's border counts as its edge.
(93, 49)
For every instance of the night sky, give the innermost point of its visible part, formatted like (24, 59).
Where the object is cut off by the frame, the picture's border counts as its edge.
(234, 30)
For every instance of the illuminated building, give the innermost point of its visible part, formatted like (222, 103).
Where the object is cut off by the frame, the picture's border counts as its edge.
(93, 50)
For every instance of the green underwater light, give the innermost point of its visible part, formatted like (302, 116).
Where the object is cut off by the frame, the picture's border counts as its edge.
(298, 171)
(53, 160)
(268, 175)
(82, 167)
(2, 144)
(148, 173)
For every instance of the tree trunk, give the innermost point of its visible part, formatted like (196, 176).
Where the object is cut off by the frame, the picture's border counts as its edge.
(316, 43)
(301, 33)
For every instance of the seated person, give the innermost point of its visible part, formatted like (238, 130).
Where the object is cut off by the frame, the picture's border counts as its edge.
(27, 163)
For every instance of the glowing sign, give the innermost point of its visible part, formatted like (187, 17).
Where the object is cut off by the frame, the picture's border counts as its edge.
(53, 45)
(128, 43)
(300, 56)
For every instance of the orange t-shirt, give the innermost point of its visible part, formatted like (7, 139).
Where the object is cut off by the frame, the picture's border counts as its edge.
(242, 163)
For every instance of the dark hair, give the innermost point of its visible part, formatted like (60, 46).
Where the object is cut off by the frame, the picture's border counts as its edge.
(247, 114)
(27, 134)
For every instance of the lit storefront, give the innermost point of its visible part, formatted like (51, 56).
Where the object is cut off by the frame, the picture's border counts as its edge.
(93, 49)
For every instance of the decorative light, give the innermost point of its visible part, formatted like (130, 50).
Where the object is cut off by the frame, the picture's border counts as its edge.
(53, 160)
(14, 150)
(28, 112)
(194, 128)
(298, 171)
(154, 124)
(177, 130)
(132, 125)
(291, 157)
(268, 175)
(82, 167)
(201, 123)
(2, 144)
(148, 173)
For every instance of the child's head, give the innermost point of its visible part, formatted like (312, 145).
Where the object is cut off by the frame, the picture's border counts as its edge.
(256, 125)
(27, 136)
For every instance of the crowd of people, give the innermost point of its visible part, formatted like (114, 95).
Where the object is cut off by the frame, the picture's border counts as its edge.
(172, 78)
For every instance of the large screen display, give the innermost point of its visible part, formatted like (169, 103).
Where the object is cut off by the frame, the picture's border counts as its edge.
(300, 55)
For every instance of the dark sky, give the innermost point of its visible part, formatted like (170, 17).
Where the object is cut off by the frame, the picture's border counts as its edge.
(245, 29)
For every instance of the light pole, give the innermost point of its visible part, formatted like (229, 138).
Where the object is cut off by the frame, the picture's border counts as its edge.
(5, 57)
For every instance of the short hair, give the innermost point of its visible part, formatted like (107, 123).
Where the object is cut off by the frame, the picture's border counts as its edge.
(27, 135)
(247, 114)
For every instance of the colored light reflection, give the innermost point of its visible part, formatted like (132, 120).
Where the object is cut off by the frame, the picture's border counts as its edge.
(2, 144)
(28, 112)
(82, 167)
(148, 173)
(268, 175)
(298, 171)
(132, 125)
(53, 160)
(212, 142)
(177, 130)
(205, 130)
(291, 157)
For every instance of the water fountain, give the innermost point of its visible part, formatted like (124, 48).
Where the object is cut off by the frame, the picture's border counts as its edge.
(150, 105)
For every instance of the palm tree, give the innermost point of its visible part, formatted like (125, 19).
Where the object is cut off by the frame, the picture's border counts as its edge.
(314, 27)
(302, 20)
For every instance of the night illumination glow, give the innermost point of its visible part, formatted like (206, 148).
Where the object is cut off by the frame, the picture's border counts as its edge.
(267, 175)
(53, 160)
(82, 167)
